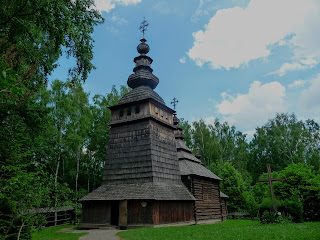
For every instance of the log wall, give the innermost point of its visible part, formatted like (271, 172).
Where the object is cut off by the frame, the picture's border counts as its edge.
(207, 194)
(224, 209)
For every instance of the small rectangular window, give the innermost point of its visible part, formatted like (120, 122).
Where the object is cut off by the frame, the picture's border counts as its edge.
(156, 110)
(137, 108)
(167, 115)
(129, 111)
(161, 113)
(121, 112)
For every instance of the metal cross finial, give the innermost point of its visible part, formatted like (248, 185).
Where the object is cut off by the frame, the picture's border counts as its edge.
(143, 26)
(174, 102)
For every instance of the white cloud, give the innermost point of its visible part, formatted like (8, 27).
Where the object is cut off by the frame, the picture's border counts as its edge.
(119, 20)
(297, 83)
(286, 67)
(182, 60)
(253, 109)
(108, 5)
(198, 12)
(235, 36)
(310, 97)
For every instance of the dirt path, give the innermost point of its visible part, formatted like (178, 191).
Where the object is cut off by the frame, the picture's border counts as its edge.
(96, 234)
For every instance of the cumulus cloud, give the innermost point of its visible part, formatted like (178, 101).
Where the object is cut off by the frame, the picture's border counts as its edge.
(249, 110)
(235, 36)
(297, 83)
(108, 5)
(310, 97)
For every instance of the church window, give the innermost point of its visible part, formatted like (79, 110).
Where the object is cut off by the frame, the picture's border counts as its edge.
(156, 110)
(167, 115)
(129, 111)
(121, 112)
(137, 108)
(206, 193)
(161, 113)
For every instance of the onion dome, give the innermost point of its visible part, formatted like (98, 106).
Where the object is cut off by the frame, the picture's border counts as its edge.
(143, 48)
(142, 75)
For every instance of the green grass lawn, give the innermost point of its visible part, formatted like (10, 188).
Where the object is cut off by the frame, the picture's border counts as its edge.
(54, 234)
(231, 229)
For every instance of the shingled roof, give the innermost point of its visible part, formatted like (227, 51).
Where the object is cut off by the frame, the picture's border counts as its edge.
(189, 164)
(150, 190)
(140, 93)
(222, 195)
(191, 168)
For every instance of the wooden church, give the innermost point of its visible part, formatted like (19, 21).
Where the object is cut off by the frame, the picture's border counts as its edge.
(150, 176)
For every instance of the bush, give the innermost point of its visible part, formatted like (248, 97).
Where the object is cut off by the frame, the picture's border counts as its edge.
(274, 217)
(298, 196)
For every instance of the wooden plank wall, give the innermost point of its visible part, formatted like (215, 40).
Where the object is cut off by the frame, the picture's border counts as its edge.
(172, 211)
(96, 212)
(137, 214)
(207, 194)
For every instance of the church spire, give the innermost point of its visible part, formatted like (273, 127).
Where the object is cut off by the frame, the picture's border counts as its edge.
(142, 75)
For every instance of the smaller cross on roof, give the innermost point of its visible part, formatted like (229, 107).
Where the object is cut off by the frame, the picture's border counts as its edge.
(174, 102)
(143, 26)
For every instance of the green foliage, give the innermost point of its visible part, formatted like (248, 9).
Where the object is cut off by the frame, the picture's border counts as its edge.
(233, 185)
(24, 189)
(283, 141)
(273, 217)
(219, 143)
(230, 229)
(40, 29)
(297, 196)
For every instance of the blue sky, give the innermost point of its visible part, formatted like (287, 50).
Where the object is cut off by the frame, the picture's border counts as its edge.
(240, 61)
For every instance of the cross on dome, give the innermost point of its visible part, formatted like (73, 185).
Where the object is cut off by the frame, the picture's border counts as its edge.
(143, 27)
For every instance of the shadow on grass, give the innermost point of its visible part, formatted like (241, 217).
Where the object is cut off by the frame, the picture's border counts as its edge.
(57, 233)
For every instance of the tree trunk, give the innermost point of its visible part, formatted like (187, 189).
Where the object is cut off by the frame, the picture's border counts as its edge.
(56, 176)
(20, 229)
(77, 176)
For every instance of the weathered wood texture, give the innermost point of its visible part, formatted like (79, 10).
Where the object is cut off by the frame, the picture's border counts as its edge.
(123, 214)
(141, 152)
(140, 212)
(172, 211)
(207, 194)
(96, 212)
(224, 209)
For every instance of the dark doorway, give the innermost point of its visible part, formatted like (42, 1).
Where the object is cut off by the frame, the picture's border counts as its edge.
(115, 213)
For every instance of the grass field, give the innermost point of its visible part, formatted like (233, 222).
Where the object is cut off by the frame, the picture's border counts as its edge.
(54, 234)
(231, 229)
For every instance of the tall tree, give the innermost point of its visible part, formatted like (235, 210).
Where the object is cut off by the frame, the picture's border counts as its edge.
(283, 141)
(99, 132)
(40, 29)
(219, 143)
